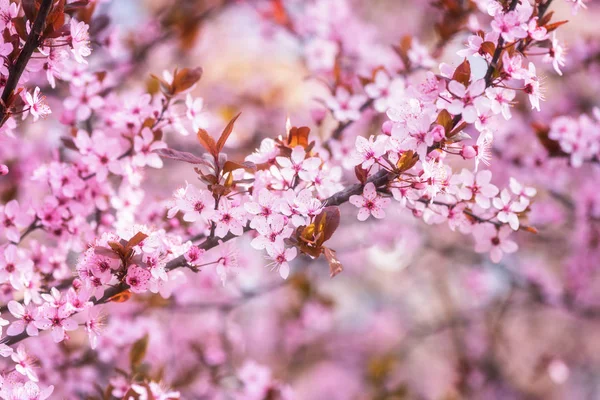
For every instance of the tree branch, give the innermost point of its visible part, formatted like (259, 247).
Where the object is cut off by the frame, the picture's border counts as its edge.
(16, 70)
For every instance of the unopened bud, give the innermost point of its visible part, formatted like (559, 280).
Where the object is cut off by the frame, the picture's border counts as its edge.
(468, 152)
(386, 128)
(438, 133)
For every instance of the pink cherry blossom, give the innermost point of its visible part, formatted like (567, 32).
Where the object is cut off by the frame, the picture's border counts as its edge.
(300, 207)
(229, 218)
(271, 232)
(37, 106)
(194, 255)
(13, 218)
(474, 47)
(509, 208)
(468, 101)
(144, 147)
(138, 278)
(8, 11)
(383, 89)
(281, 257)
(344, 105)
(483, 149)
(495, 241)
(298, 165)
(510, 26)
(370, 203)
(556, 55)
(194, 113)
(25, 319)
(56, 319)
(94, 325)
(500, 100)
(80, 41)
(31, 391)
(196, 203)
(101, 154)
(533, 88)
(24, 363)
(227, 263)
(369, 151)
(320, 54)
(525, 193)
(536, 32)
(477, 187)
(513, 66)
(84, 99)
(263, 208)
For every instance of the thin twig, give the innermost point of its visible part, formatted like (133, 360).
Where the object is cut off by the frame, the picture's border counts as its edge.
(16, 70)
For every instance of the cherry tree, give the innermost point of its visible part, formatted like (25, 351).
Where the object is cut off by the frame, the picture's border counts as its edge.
(148, 201)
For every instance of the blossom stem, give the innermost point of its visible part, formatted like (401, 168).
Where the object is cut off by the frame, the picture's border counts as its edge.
(498, 51)
(16, 70)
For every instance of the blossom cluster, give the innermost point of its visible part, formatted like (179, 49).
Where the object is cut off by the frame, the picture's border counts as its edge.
(102, 236)
(578, 138)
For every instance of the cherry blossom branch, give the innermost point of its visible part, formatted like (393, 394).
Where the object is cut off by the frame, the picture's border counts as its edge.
(497, 51)
(379, 179)
(32, 227)
(16, 70)
(337, 133)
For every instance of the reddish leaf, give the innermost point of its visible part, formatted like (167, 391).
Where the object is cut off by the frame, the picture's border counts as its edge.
(30, 9)
(165, 87)
(551, 27)
(488, 47)
(117, 247)
(226, 132)
(75, 5)
(181, 156)
(121, 297)
(546, 18)
(208, 142)
(407, 160)
(445, 119)
(136, 239)
(103, 251)
(402, 50)
(335, 266)
(361, 174)
(185, 79)
(21, 28)
(457, 129)
(462, 73)
(232, 166)
(138, 351)
(298, 137)
(56, 18)
(332, 221)
(69, 143)
(279, 13)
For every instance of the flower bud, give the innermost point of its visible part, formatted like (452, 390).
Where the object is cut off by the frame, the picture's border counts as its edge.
(468, 152)
(3, 170)
(386, 128)
(438, 133)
